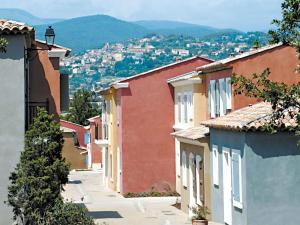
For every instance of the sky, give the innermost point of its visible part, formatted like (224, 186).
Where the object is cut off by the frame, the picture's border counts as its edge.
(247, 15)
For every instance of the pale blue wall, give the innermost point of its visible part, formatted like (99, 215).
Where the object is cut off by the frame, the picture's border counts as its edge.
(270, 178)
(273, 179)
(232, 140)
(12, 115)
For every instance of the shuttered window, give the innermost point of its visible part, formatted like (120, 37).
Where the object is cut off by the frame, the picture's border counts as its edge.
(190, 107)
(215, 162)
(184, 169)
(185, 107)
(223, 107)
(217, 98)
(236, 179)
(228, 93)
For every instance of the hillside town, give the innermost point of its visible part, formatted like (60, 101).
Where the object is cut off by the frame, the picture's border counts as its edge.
(158, 130)
(97, 68)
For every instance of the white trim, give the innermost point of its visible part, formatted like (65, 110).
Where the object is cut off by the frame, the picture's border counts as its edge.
(187, 82)
(215, 162)
(101, 142)
(121, 85)
(228, 93)
(227, 186)
(192, 201)
(212, 98)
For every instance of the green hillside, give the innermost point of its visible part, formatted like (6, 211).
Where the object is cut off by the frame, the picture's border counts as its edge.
(90, 32)
(180, 28)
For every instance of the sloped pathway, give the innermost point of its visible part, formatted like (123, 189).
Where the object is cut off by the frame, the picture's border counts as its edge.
(110, 208)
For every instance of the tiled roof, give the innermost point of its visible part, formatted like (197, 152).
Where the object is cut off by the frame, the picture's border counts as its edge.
(222, 63)
(13, 27)
(253, 118)
(193, 133)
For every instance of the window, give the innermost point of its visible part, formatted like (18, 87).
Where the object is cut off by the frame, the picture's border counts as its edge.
(96, 132)
(179, 107)
(219, 97)
(236, 179)
(215, 163)
(184, 169)
(104, 111)
(87, 138)
(110, 109)
(199, 180)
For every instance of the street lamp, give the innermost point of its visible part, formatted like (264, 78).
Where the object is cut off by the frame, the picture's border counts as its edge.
(50, 37)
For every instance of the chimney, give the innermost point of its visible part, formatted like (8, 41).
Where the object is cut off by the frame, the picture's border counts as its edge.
(232, 55)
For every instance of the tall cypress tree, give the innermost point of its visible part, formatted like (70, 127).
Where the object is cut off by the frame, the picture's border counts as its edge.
(38, 179)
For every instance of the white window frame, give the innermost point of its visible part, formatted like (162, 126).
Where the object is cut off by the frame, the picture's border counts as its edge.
(184, 169)
(222, 87)
(190, 104)
(215, 162)
(238, 204)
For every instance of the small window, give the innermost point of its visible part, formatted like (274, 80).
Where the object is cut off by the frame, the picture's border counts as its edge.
(184, 169)
(236, 179)
(215, 165)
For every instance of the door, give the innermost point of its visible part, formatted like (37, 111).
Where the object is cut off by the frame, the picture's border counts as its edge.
(227, 186)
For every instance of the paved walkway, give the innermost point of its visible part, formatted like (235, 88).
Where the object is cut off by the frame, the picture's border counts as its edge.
(110, 208)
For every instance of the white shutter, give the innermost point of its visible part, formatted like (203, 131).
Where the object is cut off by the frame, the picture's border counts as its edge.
(179, 108)
(185, 108)
(236, 179)
(217, 97)
(228, 93)
(184, 169)
(190, 107)
(212, 98)
(222, 85)
(215, 162)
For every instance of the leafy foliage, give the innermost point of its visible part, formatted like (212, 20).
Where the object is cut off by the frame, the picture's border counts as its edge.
(37, 181)
(81, 108)
(200, 213)
(3, 45)
(69, 213)
(284, 98)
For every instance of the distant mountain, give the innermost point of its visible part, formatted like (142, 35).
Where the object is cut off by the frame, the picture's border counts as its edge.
(23, 16)
(90, 32)
(180, 28)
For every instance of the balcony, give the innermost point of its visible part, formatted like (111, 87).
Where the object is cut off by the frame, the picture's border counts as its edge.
(104, 141)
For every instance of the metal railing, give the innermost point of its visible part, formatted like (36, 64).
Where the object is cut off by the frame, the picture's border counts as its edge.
(32, 110)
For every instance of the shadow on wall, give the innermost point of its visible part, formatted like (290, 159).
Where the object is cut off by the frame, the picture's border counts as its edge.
(40, 89)
(105, 215)
(273, 145)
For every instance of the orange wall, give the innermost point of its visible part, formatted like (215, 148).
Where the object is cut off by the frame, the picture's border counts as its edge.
(45, 79)
(282, 62)
(146, 121)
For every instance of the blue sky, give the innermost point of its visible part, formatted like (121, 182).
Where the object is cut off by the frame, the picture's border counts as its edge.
(239, 14)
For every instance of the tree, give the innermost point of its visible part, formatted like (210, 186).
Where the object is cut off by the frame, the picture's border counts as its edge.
(3, 45)
(68, 213)
(81, 108)
(283, 98)
(38, 179)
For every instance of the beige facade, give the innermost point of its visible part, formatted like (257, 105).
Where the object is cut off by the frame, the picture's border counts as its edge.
(192, 147)
(109, 138)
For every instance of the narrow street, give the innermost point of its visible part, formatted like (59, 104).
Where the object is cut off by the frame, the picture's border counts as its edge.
(110, 208)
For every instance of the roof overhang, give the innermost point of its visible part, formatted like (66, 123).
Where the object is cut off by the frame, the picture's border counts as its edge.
(121, 85)
(189, 81)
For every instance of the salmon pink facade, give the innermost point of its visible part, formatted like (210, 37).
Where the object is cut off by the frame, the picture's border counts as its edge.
(144, 111)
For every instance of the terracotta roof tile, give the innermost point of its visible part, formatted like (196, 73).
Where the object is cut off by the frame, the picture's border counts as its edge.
(193, 133)
(13, 27)
(253, 118)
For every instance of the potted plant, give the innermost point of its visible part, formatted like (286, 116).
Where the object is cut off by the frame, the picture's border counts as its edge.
(200, 215)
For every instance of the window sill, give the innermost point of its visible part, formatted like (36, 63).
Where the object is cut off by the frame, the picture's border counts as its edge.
(238, 205)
